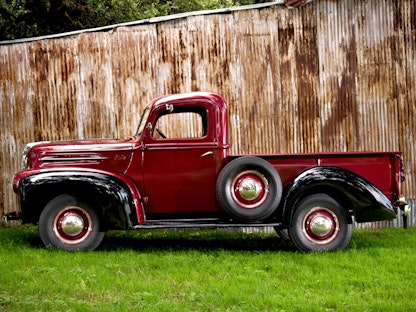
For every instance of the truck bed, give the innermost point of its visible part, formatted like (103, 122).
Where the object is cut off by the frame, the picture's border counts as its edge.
(376, 167)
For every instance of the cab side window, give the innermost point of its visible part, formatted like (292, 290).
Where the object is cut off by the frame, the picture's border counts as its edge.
(180, 125)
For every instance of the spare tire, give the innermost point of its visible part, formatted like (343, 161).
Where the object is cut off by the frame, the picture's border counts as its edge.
(249, 189)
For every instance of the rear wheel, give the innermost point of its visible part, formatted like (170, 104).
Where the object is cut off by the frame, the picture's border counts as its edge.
(319, 223)
(249, 189)
(70, 224)
(283, 234)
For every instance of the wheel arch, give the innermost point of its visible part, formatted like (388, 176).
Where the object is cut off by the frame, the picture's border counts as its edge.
(359, 197)
(116, 203)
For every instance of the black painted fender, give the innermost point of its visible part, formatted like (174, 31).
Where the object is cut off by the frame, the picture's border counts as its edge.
(116, 198)
(358, 196)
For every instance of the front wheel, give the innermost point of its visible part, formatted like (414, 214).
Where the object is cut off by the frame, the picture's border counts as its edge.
(69, 224)
(319, 223)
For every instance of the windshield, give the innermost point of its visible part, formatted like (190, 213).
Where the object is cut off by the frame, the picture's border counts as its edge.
(142, 122)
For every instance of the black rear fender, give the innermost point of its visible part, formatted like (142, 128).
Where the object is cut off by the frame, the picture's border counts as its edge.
(110, 197)
(359, 197)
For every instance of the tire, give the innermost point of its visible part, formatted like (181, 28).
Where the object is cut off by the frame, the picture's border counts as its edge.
(319, 223)
(248, 189)
(283, 234)
(69, 224)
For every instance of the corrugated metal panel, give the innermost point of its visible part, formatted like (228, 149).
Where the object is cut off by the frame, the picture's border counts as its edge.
(329, 76)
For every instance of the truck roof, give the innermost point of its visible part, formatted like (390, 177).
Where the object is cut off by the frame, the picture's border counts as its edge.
(191, 97)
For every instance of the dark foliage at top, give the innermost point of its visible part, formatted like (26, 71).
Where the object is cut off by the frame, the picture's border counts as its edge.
(32, 18)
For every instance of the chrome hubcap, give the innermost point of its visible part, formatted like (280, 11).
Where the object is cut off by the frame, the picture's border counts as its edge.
(321, 225)
(73, 225)
(249, 189)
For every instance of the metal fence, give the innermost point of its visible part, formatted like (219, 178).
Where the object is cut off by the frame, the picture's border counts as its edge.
(328, 76)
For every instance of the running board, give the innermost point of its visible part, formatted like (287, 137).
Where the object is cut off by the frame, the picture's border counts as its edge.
(198, 223)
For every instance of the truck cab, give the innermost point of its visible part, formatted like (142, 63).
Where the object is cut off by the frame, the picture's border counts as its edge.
(180, 149)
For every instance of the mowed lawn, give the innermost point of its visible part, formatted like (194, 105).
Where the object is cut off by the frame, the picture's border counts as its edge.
(208, 270)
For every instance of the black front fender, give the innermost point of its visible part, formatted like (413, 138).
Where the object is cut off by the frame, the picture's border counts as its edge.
(108, 195)
(356, 194)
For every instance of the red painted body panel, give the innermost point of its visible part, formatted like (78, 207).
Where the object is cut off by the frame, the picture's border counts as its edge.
(97, 154)
(382, 169)
(180, 179)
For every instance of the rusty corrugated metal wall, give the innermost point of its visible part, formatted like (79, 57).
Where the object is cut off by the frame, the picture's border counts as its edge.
(328, 76)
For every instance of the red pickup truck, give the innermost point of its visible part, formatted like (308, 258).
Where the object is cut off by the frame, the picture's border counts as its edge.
(176, 172)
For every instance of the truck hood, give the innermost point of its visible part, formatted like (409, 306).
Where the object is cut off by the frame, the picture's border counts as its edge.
(81, 145)
(111, 154)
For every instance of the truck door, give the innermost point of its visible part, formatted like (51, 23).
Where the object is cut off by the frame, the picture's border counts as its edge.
(179, 162)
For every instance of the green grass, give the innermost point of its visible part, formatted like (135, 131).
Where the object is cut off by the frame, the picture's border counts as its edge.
(208, 270)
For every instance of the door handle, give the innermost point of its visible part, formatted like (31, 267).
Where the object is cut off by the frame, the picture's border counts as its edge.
(207, 153)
